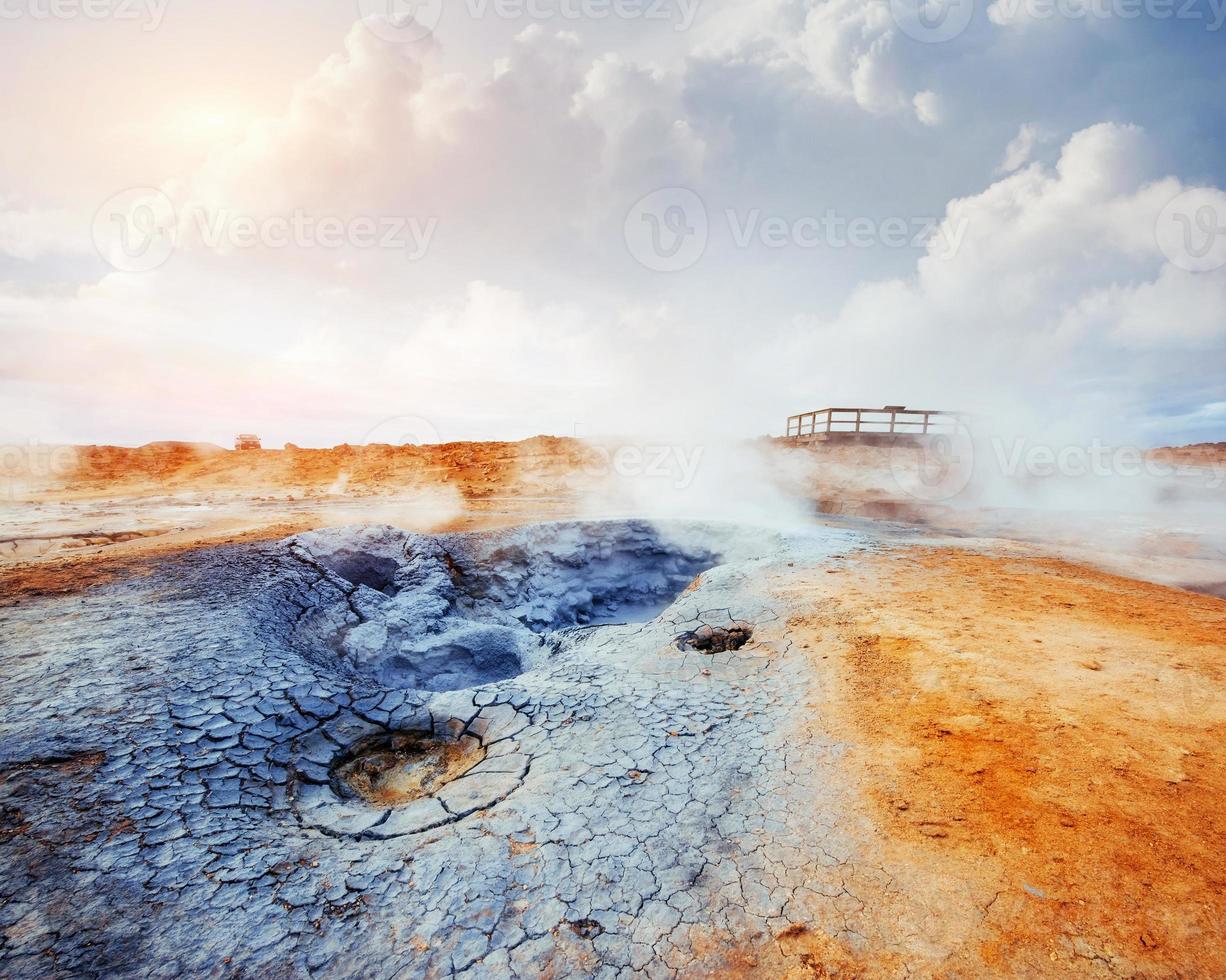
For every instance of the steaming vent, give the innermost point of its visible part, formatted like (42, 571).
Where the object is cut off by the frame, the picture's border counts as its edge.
(452, 612)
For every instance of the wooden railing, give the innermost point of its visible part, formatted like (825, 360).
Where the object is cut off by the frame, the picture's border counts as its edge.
(887, 421)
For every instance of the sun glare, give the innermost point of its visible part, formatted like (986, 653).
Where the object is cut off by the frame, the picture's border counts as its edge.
(208, 124)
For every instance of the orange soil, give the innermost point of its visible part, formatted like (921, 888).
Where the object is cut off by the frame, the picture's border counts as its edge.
(1198, 454)
(270, 494)
(1041, 748)
(65, 574)
(475, 468)
(1035, 749)
(408, 767)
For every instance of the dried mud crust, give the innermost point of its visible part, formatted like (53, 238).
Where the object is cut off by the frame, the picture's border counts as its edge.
(394, 782)
(402, 767)
(1040, 746)
(890, 777)
(635, 811)
(716, 639)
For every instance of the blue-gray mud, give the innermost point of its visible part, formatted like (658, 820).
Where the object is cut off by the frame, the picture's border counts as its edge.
(169, 804)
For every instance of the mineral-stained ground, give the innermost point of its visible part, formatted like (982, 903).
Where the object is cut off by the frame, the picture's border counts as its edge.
(610, 749)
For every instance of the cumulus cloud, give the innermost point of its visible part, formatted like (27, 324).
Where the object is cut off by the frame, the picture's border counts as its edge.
(927, 107)
(529, 313)
(358, 105)
(531, 146)
(846, 46)
(1019, 149)
(646, 135)
(844, 51)
(1058, 308)
(29, 233)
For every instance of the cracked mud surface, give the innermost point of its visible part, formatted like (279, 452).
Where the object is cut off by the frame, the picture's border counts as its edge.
(174, 797)
(169, 806)
(403, 767)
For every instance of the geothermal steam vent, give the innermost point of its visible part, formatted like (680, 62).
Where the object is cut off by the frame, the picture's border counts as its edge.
(367, 751)
(454, 612)
(421, 615)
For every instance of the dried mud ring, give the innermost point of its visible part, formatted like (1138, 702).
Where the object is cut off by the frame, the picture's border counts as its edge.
(716, 639)
(399, 768)
(393, 783)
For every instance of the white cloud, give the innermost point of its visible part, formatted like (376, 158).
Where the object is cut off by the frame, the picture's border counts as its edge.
(1023, 13)
(1045, 308)
(31, 233)
(639, 113)
(842, 51)
(1019, 149)
(529, 301)
(928, 107)
(849, 50)
(1176, 311)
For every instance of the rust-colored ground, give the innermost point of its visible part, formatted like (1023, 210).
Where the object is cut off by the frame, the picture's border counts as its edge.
(1041, 750)
(173, 497)
(1034, 772)
(407, 767)
(1198, 454)
(474, 468)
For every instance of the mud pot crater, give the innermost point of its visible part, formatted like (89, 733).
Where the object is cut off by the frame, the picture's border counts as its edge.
(426, 620)
(355, 778)
(398, 768)
(454, 612)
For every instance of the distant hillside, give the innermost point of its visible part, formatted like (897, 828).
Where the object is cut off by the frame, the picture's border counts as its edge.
(1197, 454)
(475, 468)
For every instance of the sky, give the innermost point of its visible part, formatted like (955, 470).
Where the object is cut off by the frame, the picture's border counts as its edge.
(469, 219)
